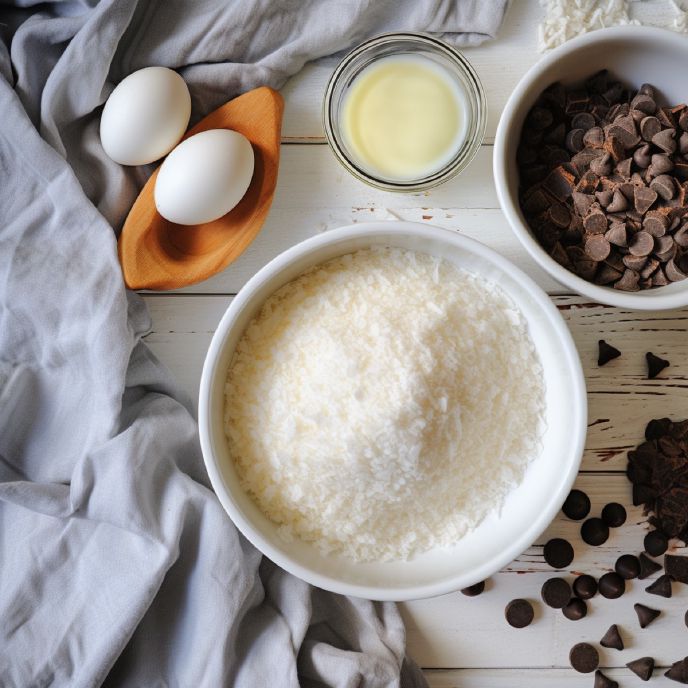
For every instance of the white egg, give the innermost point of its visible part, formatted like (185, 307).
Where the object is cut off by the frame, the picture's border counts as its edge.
(204, 177)
(145, 116)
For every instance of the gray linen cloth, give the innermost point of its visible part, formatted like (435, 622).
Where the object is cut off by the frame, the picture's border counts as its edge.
(118, 565)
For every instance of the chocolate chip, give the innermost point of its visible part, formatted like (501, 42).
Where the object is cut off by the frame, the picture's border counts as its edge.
(574, 140)
(474, 590)
(556, 593)
(593, 137)
(606, 353)
(575, 610)
(659, 279)
(601, 165)
(616, 234)
(641, 244)
(558, 553)
(539, 118)
(519, 613)
(665, 140)
(623, 169)
(597, 247)
(614, 514)
(673, 272)
(583, 120)
(559, 215)
(678, 671)
(643, 198)
(576, 507)
(628, 282)
(612, 638)
(644, 103)
(642, 667)
(602, 681)
(664, 186)
(641, 156)
(646, 615)
(611, 585)
(676, 566)
(619, 203)
(604, 197)
(585, 587)
(662, 586)
(595, 532)
(655, 365)
(595, 222)
(649, 268)
(660, 164)
(635, 263)
(649, 127)
(655, 223)
(559, 183)
(584, 658)
(647, 566)
(627, 566)
(683, 143)
(656, 543)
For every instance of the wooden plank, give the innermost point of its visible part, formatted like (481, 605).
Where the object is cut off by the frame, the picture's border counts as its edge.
(500, 64)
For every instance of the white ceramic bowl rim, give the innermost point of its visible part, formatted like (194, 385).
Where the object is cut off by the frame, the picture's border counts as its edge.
(577, 405)
(653, 299)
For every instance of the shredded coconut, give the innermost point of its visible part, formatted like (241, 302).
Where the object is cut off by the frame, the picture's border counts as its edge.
(565, 19)
(383, 403)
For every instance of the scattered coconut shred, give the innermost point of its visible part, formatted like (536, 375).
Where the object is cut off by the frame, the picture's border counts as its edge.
(383, 403)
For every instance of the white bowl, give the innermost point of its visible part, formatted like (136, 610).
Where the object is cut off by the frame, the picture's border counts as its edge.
(500, 538)
(633, 54)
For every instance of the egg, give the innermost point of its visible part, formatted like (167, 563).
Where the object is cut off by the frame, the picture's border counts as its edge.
(204, 177)
(145, 116)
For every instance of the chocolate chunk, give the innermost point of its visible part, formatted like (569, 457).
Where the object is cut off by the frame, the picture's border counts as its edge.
(474, 590)
(559, 215)
(595, 532)
(641, 156)
(641, 244)
(643, 198)
(649, 127)
(597, 247)
(593, 138)
(676, 566)
(519, 613)
(575, 610)
(585, 587)
(583, 120)
(584, 658)
(574, 140)
(612, 638)
(665, 140)
(595, 222)
(616, 234)
(673, 272)
(611, 585)
(614, 515)
(576, 507)
(556, 593)
(647, 566)
(655, 365)
(656, 543)
(664, 186)
(602, 681)
(619, 202)
(558, 553)
(662, 586)
(678, 671)
(601, 165)
(642, 667)
(628, 282)
(627, 566)
(646, 615)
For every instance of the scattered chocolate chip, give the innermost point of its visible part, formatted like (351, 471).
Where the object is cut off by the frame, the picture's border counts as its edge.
(556, 593)
(642, 667)
(576, 506)
(655, 365)
(611, 586)
(646, 615)
(606, 353)
(585, 587)
(676, 566)
(647, 566)
(612, 638)
(474, 590)
(678, 671)
(575, 610)
(656, 543)
(602, 681)
(519, 613)
(614, 514)
(584, 658)
(595, 532)
(627, 566)
(558, 553)
(661, 587)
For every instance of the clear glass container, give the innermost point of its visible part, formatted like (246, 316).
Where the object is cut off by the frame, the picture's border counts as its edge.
(414, 44)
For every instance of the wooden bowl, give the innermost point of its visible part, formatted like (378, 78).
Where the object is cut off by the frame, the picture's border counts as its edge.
(160, 255)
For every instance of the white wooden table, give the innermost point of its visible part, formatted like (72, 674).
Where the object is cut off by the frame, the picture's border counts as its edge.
(460, 641)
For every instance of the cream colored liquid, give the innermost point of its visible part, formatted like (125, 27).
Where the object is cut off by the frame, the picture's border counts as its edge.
(404, 117)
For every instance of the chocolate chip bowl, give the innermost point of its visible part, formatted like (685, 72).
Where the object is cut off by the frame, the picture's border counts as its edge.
(591, 166)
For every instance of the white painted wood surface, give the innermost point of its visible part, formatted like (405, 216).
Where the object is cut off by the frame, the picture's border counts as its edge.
(462, 642)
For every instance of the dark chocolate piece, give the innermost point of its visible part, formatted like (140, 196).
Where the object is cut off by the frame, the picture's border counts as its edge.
(611, 585)
(627, 566)
(676, 566)
(612, 638)
(661, 587)
(655, 365)
(558, 553)
(595, 532)
(678, 671)
(646, 615)
(474, 590)
(642, 667)
(585, 587)
(584, 658)
(656, 543)
(602, 681)
(556, 593)
(519, 613)
(575, 610)
(576, 506)
(614, 515)
(647, 566)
